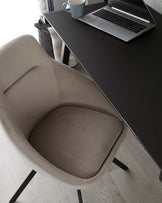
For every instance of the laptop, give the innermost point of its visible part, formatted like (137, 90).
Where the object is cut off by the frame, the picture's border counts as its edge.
(124, 19)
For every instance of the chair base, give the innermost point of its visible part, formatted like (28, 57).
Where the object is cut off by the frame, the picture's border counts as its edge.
(22, 186)
(160, 177)
(120, 164)
(79, 196)
(32, 173)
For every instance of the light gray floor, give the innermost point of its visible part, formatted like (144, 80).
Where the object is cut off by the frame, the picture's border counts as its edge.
(139, 185)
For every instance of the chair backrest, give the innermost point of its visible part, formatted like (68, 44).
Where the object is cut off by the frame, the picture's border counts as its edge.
(27, 82)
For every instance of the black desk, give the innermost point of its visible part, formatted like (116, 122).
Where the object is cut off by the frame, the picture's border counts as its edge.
(129, 74)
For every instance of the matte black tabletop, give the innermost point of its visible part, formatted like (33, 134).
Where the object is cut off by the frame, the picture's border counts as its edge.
(129, 74)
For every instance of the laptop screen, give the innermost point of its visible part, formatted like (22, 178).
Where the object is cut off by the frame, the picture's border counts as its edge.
(134, 7)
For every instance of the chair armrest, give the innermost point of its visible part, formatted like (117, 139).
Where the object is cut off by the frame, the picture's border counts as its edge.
(74, 88)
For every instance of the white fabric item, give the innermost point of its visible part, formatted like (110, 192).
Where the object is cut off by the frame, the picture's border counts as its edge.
(57, 45)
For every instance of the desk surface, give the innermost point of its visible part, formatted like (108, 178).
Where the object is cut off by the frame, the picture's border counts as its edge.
(129, 74)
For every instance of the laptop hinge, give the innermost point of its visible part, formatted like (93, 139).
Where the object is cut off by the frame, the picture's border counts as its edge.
(129, 14)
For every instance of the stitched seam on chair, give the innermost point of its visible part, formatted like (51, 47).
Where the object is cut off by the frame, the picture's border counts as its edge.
(16, 81)
(94, 108)
(108, 154)
(110, 150)
(73, 105)
(57, 84)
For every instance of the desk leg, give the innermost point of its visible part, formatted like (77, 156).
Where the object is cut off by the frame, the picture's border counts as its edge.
(160, 177)
(65, 53)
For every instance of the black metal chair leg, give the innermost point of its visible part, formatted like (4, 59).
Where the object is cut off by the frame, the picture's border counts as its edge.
(79, 196)
(160, 177)
(120, 164)
(22, 186)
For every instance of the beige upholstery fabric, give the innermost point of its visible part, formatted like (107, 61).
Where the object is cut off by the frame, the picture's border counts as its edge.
(26, 79)
(57, 44)
(76, 139)
(37, 95)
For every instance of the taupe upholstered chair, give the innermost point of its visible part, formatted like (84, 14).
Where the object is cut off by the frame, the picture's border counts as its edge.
(57, 120)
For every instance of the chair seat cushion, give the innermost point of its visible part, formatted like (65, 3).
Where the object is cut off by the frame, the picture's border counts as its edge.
(76, 139)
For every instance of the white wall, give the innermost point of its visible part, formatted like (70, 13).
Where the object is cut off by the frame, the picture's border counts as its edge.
(58, 4)
(156, 4)
(17, 18)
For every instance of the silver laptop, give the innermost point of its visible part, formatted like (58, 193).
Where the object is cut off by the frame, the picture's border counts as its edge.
(124, 19)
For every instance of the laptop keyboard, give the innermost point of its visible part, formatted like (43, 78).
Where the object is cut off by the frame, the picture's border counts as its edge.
(119, 20)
